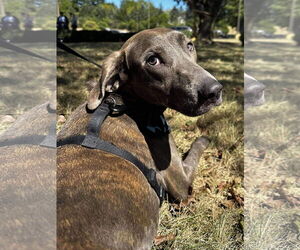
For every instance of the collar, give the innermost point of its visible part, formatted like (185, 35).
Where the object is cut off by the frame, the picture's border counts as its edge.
(148, 117)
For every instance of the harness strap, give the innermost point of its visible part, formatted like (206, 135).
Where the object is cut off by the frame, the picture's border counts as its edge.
(48, 141)
(22, 140)
(92, 141)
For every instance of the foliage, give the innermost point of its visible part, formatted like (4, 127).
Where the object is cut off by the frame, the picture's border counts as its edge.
(210, 14)
(132, 15)
(41, 11)
(90, 25)
(229, 15)
(266, 13)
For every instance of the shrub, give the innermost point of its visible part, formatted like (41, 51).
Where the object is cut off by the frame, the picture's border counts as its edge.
(90, 25)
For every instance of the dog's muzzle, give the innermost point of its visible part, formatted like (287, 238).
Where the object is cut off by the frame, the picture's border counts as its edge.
(212, 93)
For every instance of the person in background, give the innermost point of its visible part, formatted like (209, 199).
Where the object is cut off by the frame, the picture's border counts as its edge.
(62, 23)
(9, 22)
(28, 22)
(74, 22)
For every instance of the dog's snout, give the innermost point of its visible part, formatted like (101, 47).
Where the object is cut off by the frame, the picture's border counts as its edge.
(254, 88)
(212, 90)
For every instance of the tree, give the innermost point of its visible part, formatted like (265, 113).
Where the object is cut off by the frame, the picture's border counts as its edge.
(41, 11)
(265, 14)
(133, 15)
(2, 10)
(205, 14)
(229, 14)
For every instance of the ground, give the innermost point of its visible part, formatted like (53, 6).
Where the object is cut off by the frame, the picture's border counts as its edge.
(25, 81)
(213, 219)
(272, 148)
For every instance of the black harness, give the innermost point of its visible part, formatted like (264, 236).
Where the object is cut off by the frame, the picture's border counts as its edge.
(92, 141)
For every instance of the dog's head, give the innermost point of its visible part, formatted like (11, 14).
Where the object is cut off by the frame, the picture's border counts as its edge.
(253, 91)
(159, 66)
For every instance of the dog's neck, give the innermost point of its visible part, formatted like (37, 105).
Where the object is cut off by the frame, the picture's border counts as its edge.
(148, 117)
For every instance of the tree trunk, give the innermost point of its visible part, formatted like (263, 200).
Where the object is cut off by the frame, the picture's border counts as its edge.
(208, 12)
(205, 28)
(2, 9)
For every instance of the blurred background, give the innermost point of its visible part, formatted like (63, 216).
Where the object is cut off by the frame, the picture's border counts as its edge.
(200, 19)
(271, 131)
(123, 16)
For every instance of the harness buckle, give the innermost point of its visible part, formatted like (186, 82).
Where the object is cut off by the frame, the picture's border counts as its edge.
(89, 141)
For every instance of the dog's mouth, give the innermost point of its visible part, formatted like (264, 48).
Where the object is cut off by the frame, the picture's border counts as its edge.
(202, 107)
(212, 101)
(218, 99)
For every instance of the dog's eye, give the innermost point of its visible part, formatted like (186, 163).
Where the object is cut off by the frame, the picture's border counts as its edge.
(153, 60)
(190, 46)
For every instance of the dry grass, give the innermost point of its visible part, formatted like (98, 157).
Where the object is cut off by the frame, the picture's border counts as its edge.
(214, 220)
(25, 81)
(272, 150)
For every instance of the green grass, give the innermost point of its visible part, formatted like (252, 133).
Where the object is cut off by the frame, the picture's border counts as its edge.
(214, 220)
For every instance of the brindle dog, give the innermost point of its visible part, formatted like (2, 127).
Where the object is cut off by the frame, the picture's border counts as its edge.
(104, 201)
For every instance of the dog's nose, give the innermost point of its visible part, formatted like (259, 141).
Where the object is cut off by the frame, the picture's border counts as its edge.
(212, 90)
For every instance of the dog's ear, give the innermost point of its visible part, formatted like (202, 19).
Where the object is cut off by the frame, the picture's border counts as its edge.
(112, 78)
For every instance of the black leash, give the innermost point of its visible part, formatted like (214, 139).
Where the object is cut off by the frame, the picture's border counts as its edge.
(64, 47)
(92, 141)
(17, 49)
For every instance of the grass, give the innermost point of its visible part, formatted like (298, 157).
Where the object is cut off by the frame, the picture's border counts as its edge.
(214, 220)
(272, 149)
(25, 81)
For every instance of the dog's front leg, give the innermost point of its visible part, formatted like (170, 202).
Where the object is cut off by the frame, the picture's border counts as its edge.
(179, 176)
(191, 161)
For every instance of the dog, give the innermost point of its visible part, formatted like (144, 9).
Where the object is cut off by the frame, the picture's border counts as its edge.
(104, 201)
(28, 180)
(254, 92)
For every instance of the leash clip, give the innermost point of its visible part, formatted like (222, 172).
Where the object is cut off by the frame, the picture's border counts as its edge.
(115, 104)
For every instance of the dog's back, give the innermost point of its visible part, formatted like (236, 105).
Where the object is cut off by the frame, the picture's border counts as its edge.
(103, 201)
